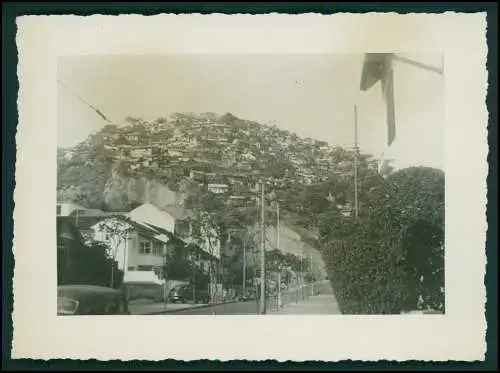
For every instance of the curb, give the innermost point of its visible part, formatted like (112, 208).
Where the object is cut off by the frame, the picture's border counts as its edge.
(185, 308)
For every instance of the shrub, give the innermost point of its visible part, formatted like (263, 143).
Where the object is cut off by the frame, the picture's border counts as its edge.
(364, 277)
(391, 258)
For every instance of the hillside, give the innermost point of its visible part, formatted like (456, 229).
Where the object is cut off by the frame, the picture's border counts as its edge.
(156, 162)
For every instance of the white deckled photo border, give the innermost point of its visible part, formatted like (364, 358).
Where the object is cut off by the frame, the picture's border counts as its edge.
(458, 335)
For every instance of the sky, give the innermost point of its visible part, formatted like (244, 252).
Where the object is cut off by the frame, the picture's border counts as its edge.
(311, 95)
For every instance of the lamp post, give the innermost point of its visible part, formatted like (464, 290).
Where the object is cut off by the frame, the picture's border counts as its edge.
(244, 268)
(263, 257)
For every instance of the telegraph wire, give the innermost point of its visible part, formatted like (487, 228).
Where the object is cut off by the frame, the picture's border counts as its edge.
(99, 112)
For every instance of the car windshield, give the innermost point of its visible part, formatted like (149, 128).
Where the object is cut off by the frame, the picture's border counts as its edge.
(66, 306)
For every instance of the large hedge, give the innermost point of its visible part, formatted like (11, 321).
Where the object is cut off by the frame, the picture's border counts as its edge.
(391, 258)
(90, 265)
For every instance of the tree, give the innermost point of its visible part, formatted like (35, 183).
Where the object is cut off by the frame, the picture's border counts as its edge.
(390, 258)
(161, 120)
(116, 231)
(206, 234)
(87, 264)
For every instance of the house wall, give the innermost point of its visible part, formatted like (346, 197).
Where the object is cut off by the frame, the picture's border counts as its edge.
(128, 254)
(137, 258)
(66, 208)
(118, 246)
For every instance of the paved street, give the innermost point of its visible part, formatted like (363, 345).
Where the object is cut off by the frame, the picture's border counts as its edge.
(294, 302)
(145, 308)
(239, 308)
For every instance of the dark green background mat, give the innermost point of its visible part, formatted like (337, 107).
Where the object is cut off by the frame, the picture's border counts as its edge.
(12, 10)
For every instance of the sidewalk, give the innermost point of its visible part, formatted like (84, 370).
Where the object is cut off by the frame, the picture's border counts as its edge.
(304, 303)
(323, 304)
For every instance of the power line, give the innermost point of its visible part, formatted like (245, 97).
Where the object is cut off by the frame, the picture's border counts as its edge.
(84, 101)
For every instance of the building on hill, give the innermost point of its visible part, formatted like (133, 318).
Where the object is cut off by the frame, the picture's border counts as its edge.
(133, 137)
(218, 188)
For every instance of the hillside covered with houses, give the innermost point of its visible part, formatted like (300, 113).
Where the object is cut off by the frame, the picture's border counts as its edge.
(154, 162)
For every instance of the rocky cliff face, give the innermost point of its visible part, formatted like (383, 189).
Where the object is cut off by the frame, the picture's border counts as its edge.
(120, 191)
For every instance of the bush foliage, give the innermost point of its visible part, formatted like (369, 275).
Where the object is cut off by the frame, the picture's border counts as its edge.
(391, 258)
(87, 264)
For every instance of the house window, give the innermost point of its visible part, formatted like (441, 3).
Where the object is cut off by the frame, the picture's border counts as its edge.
(58, 209)
(158, 249)
(145, 247)
(144, 268)
(131, 268)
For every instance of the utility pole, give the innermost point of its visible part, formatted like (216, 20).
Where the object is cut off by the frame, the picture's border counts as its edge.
(297, 285)
(195, 259)
(211, 286)
(278, 247)
(165, 277)
(312, 276)
(356, 161)
(76, 216)
(302, 277)
(278, 225)
(263, 257)
(244, 266)
(125, 258)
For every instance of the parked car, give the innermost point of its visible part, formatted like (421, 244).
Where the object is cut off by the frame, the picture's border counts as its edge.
(185, 293)
(90, 300)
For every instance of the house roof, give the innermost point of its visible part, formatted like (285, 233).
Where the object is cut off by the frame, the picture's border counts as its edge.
(144, 228)
(84, 223)
(177, 212)
(140, 227)
(85, 219)
(96, 213)
(69, 203)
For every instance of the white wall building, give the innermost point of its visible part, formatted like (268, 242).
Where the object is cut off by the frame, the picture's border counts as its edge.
(66, 208)
(136, 247)
(218, 188)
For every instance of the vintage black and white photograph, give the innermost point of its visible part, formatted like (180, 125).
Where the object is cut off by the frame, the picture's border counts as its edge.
(250, 184)
(328, 169)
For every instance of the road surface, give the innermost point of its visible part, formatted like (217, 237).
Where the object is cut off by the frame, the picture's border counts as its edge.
(249, 307)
